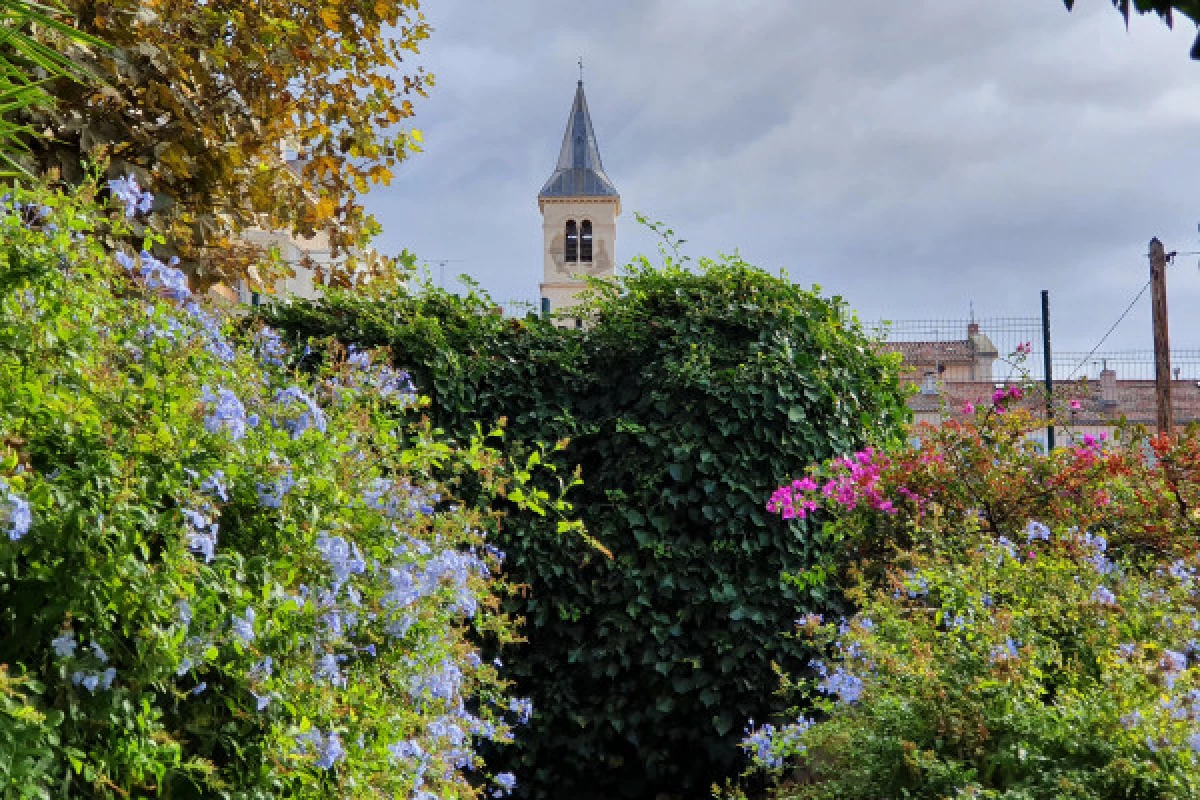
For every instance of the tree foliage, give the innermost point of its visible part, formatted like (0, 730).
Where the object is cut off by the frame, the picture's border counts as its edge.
(30, 53)
(271, 114)
(1167, 9)
(645, 665)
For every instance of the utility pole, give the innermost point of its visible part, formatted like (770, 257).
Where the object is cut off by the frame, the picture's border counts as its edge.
(1048, 364)
(1162, 347)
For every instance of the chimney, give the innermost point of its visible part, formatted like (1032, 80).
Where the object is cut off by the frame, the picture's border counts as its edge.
(972, 329)
(1108, 388)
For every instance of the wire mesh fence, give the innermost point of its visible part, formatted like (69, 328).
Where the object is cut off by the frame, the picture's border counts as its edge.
(991, 346)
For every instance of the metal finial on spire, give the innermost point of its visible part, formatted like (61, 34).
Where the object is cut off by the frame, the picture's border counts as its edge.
(581, 69)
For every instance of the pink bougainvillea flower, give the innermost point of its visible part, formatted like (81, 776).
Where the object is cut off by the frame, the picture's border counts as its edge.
(1076, 405)
(968, 407)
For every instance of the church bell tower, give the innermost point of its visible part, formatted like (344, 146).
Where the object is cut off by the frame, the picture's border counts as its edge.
(579, 206)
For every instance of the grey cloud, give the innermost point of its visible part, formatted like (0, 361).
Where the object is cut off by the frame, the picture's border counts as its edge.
(913, 157)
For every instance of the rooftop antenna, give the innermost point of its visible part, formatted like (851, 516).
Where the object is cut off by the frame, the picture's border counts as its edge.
(441, 263)
(972, 304)
(581, 69)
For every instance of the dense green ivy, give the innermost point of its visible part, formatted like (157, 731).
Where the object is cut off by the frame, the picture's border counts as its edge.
(686, 393)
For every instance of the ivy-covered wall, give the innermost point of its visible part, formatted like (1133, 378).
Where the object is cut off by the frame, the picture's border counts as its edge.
(688, 392)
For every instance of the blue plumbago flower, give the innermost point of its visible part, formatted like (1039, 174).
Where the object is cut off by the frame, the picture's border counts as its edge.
(846, 686)
(1131, 720)
(442, 683)
(243, 627)
(131, 195)
(215, 485)
(473, 660)
(767, 744)
(408, 750)
(507, 782)
(1193, 741)
(184, 609)
(210, 326)
(92, 682)
(1104, 597)
(400, 499)
(915, 586)
(957, 623)
(261, 701)
(202, 539)
(193, 655)
(343, 558)
(522, 707)
(299, 412)
(327, 749)
(1036, 530)
(1010, 649)
(99, 653)
(359, 359)
(15, 513)
(445, 728)
(64, 644)
(391, 383)
(263, 669)
(155, 276)
(1173, 663)
(1180, 571)
(86, 680)
(270, 347)
(1126, 650)
(227, 413)
(200, 687)
(1006, 546)
(327, 669)
(271, 494)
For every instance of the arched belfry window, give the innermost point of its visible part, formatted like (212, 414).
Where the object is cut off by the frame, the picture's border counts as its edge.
(572, 242)
(585, 242)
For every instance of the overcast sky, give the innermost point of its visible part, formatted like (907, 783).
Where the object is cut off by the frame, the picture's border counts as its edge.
(914, 157)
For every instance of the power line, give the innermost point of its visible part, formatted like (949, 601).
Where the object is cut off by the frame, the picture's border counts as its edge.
(1110, 330)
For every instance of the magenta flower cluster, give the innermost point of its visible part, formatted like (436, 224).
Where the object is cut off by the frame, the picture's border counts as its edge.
(854, 482)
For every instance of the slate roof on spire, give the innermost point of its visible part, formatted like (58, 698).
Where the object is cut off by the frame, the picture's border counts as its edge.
(579, 172)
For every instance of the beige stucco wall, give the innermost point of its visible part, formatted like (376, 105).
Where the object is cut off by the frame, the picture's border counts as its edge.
(560, 280)
(294, 250)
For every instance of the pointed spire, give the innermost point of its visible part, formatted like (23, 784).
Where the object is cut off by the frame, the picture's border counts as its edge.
(579, 172)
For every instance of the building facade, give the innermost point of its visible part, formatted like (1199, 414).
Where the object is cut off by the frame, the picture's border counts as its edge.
(950, 374)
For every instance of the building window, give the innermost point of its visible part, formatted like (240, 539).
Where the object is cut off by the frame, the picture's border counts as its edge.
(585, 242)
(930, 383)
(572, 242)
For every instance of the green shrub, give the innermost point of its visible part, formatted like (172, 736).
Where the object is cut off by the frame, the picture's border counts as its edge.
(683, 393)
(220, 577)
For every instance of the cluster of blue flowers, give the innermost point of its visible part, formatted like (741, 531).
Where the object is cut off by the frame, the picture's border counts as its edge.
(1036, 531)
(100, 678)
(846, 686)
(1009, 650)
(271, 349)
(326, 748)
(769, 745)
(131, 195)
(226, 413)
(298, 412)
(15, 514)
(384, 381)
(400, 500)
